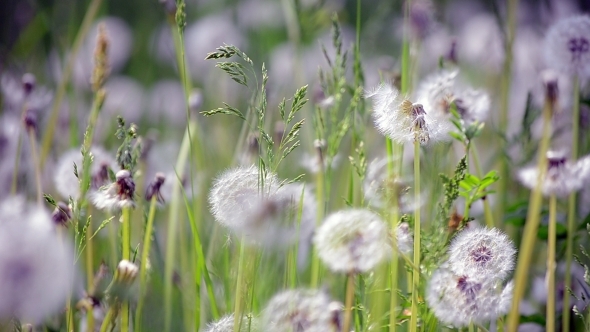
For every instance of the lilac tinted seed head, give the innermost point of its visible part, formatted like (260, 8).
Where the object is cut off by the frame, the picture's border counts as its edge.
(353, 241)
(61, 214)
(562, 177)
(482, 253)
(300, 310)
(458, 300)
(154, 188)
(28, 83)
(117, 195)
(36, 279)
(567, 45)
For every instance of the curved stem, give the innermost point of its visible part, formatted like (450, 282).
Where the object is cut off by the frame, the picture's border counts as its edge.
(551, 264)
(145, 254)
(531, 225)
(571, 214)
(416, 274)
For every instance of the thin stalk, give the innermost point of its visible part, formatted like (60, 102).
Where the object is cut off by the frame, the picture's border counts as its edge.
(126, 249)
(348, 303)
(238, 304)
(145, 254)
(394, 266)
(65, 76)
(504, 104)
(173, 226)
(107, 320)
(89, 261)
(315, 261)
(416, 274)
(486, 205)
(532, 223)
(551, 265)
(571, 214)
(35, 155)
(13, 187)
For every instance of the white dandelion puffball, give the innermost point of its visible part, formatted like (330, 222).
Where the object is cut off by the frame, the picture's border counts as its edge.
(301, 310)
(67, 184)
(567, 45)
(226, 324)
(404, 121)
(36, 266)
(562, 177)
(458, 300)
(353, 241)
(482, 253)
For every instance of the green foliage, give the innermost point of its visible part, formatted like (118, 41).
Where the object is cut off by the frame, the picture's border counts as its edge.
(451, 186)
(129, 151)
(474, 189)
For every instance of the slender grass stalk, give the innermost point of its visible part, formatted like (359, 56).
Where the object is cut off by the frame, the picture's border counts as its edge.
(321, 205)
(65, 76)
(532, 223)
(126, 250)
(348, 302)
(145, 254)
(35, 155)
(89, 261)
(571, 212)
(504, 104)
(173, 226)
(416, 274)
(550, 324)
(489, 217)
(107, 319)
(238, 302)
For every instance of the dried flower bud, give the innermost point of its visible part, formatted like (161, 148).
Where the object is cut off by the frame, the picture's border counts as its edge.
(30, 120)
(126, 272)
(62, 214)
(551, 88)
(28, 83)
(154, 188)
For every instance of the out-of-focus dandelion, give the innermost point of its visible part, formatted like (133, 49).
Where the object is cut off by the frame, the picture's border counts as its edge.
(562, 177)
(380, 190)
(405, 241)
(403, 121)
(117, 195)
(35, 279)
(226, 324)
(459, 300)
(353, 241)
(567, 45)
(301, 310)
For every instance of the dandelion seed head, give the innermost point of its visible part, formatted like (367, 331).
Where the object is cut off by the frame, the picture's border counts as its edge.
(381, 191)
(300, 310)
(482, 253)
(562, 176)
(16, 91)
(117, 195)
(35, 279)
(405, 240)
(403, 121)
(459, 300)
(226, 324)
(567, 45)
(353, 241)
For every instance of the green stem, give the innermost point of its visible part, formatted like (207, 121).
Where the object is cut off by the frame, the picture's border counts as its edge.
(551, 264)
(532, 223)
(107, 320)
(173, 226)
(348, 303)
(126, 242)
(504, 105)
(238, 304)
(571, 214)
(145, 254)
(89, 251)
(35, 155)
(486, 205)
(67, 72)
(315, 261)
(416, 274)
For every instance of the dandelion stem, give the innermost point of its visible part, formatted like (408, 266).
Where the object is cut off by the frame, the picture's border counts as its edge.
(147, 242)
(126, 242)
(416, 274)
(551, 265)
(35, 155)
(67, 72)
(315, 261)
(107, 319)
(571, 214)
(348, 303)
(89, 251)
(238, 304)
(532, 223)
